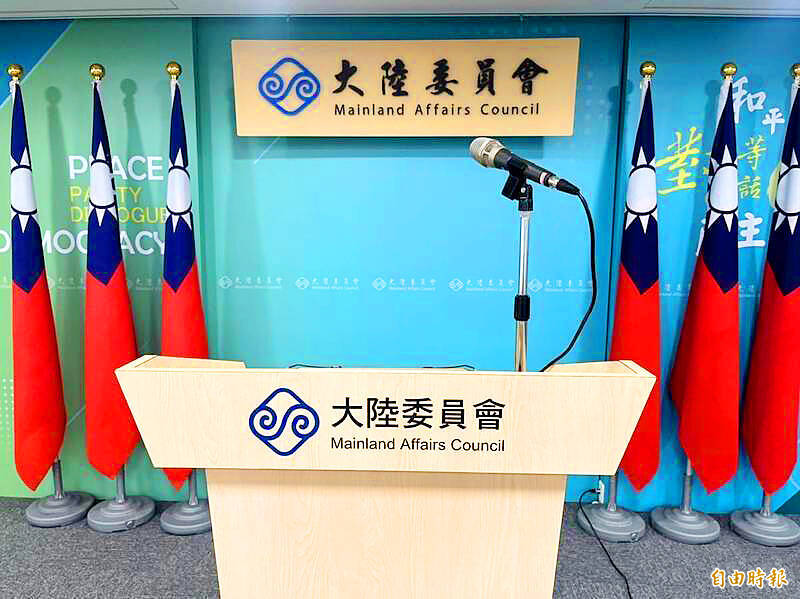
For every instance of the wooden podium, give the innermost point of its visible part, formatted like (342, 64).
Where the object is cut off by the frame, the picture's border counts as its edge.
(363, 483)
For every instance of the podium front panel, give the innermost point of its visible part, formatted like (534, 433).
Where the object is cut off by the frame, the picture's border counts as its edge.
(354, 535)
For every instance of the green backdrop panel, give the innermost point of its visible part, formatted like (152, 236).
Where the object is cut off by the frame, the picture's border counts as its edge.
(58, 106)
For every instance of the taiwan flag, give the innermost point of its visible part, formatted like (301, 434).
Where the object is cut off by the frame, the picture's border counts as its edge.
(705, 377)
(39, 413)
(183, 327)
(111, 433)
(637, 334)
(769, 421)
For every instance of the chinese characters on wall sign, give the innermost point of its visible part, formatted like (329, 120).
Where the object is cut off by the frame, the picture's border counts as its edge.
(405, 88)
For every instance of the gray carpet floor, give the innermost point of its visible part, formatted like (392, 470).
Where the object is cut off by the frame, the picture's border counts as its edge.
(74, 562)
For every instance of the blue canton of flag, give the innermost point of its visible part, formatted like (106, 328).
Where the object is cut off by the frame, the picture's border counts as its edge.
(104, 254)
(720, 239)
(27, 257)
(179, 252)
(784, 242)
(639, 252)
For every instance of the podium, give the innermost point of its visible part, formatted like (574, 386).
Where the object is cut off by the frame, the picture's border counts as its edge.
(338, 483)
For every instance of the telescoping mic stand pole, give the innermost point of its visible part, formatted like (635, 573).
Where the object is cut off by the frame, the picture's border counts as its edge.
(518, 189)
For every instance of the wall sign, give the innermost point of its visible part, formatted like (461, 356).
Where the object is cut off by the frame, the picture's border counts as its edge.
(345, 88)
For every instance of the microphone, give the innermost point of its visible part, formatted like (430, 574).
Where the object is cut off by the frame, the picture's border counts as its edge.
(492, 154)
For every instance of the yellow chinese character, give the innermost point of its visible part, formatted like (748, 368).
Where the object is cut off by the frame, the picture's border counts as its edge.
(683, 157)
(750, 187)
(777, 578)
(736, 578)
(756, 149)
(755, 578)
(718, 578)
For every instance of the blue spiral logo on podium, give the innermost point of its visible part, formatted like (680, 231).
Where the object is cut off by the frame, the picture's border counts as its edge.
(283, 421)
(289, 86)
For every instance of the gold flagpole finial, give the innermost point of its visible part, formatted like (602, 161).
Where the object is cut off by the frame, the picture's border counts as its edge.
(795, 69)
(97, 71)
(647, 68)
(15, 71)
(728, 69)
(174, 69)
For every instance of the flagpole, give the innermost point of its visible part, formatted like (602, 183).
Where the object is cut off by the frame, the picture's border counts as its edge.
(124, 511)
(192, 516)
(763, 526)
(684, 524)
(60, 508)
(611, 522)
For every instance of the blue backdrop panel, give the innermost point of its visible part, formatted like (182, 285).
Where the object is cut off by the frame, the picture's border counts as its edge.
(399, 252)
(688, 54)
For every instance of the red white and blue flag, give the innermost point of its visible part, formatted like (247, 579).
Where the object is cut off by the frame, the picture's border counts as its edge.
(111, 433)
(705, 377)
(183, 327)
(769, 420)
(39, 413)
(637, 333)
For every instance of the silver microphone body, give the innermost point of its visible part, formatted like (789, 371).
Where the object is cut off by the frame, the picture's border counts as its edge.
(491, 153)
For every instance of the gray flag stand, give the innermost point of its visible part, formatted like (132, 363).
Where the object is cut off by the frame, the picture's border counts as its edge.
(121, 513)
(765, 527)
(60, 508)
(611, 522)
(190, 517)
(684, 524)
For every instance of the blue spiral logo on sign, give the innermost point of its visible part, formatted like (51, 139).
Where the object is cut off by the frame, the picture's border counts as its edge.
(283, 421)
(293, 97)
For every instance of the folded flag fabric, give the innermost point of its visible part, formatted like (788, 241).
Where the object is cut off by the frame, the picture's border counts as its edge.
(637, 330)
(183, 327)
(769, 419)
(705, 377)
(111, 433)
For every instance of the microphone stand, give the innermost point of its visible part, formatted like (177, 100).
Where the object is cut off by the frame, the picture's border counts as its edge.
(518, 189)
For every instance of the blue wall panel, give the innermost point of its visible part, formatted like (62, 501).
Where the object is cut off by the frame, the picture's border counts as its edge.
(398, 252)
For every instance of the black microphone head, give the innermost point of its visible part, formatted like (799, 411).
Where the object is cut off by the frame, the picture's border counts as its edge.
(484, 149)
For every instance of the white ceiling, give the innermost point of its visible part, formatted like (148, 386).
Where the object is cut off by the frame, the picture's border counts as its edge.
(98, 8)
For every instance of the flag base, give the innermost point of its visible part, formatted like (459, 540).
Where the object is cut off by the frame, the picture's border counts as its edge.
(186, 519)
(116, 515)
(50, 512)
(614, 526)
(771, 530)
(689, 526)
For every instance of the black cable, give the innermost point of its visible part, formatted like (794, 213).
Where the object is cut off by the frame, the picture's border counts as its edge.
(600, 541)
(588, 313)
